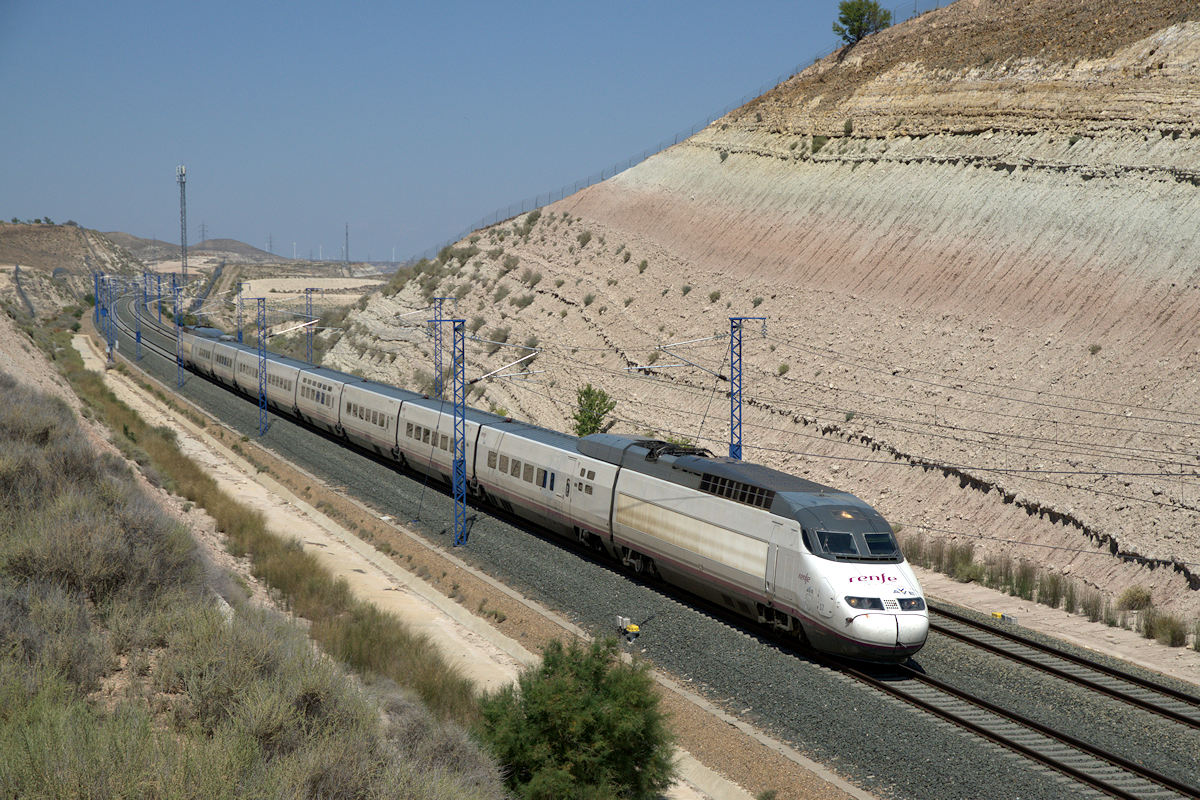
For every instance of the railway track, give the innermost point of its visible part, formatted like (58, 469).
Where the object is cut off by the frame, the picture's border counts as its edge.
(1101, 772)
(1104, 772)
(1135, 690)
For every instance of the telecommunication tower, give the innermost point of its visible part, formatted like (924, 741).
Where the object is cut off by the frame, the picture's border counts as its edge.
(181, 176)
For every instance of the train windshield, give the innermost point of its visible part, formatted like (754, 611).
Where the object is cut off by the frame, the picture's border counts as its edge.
(838, 544)
(881, 544)
(856, 546)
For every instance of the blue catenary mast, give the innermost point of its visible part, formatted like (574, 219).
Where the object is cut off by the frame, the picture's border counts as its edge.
(137, 323)
(262, 366)
(96, 297)
(460, 436)
(437, 345)
(178, 336)
(308, 329)
(735, 384)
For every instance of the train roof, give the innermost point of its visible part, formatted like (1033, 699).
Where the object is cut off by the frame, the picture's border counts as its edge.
(756, 485)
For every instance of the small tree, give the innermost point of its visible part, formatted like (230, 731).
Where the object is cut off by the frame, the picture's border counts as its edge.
(860, 18)
(583, 724)
(592, 405)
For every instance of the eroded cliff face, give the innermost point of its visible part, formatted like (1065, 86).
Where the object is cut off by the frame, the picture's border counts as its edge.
(980, 295)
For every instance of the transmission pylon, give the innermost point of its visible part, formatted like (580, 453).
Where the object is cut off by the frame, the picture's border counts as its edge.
(181, 176)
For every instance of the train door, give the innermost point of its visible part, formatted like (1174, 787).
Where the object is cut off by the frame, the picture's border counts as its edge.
(569, 485)
(772, 558)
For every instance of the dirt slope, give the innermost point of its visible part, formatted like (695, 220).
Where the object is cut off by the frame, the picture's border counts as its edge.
(980, 292)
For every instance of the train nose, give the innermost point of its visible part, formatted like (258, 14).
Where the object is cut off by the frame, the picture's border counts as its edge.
(889, 630)
(911, 629)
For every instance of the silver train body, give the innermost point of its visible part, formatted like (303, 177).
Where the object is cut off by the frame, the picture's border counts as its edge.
(805, 558)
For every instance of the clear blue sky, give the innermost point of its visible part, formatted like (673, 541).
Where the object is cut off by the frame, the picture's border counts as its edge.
(406, 120)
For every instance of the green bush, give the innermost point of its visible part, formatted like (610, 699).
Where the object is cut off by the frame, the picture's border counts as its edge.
(592, 407)
(589, 298)
(818, 143)
(582, 724)
(1135, 598)
(1050, 589)
(642, 266)
(583, 239)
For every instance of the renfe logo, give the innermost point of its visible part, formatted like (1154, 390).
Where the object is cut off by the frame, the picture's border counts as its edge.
(881, 578)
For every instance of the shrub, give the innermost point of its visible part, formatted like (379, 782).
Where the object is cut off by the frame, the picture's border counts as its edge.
(589, 298)
(625, 257)
(1024, 581)
(1170, 630)
(476, 324)
(558, 282)
(498, 337)
(686, 288)
(1092, 604)
(510, 263)
(1070, 601)
(501, 293)
(714, 297)
(583, 239)
(592, 407)
(523, 301)
(818, 143)
(642, 266)
(581, 724)
(1135, 598)
(724, 154)
(756, 302)
(1050, 589)
(1093, 348)
(782, 370)
(848, 127)
(531, 278)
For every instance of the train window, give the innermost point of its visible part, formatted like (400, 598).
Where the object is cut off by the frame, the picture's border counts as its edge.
(582, 472)
(425, 435)
(881, 544)
(540, 480)
(587, 489)
(491, 459)
(504, 463)
(408, 429)
(516, 469)
(552, 481)
(591, 474)
(804, 536)
(529, 473)
(445, 442)
(374, 417)
(836, 543)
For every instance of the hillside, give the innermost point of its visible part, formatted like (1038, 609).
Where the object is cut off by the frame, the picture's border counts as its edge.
(971, 236)
(158, 250)
(57, 262)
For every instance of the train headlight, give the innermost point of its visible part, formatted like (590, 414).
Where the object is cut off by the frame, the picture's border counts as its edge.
(912, 604)
(866, 603)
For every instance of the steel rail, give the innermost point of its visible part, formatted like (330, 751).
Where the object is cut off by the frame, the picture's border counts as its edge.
(1104, 784)
(1189, 716)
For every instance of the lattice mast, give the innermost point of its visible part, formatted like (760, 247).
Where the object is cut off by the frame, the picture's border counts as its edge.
(181, 177)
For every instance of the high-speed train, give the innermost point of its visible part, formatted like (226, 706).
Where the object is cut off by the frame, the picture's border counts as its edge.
(804, 558)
